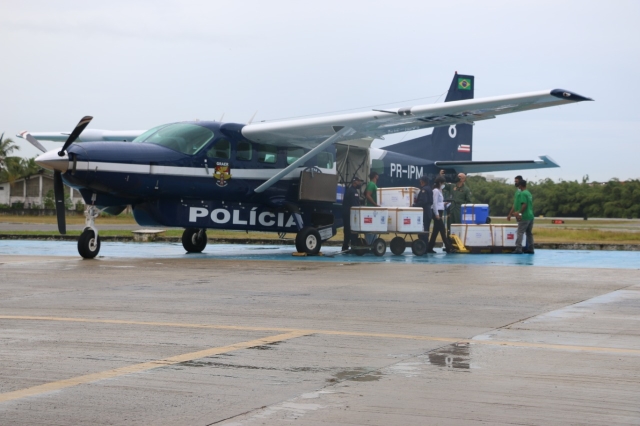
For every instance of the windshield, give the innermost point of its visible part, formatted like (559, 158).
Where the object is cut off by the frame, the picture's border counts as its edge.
(181, 137)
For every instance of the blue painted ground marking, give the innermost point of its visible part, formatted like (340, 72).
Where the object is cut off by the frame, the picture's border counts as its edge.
(552, 258)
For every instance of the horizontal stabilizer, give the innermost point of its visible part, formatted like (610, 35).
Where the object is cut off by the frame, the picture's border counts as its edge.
(544, 162)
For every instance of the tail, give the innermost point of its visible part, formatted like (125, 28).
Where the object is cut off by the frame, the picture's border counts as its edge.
(449, 143)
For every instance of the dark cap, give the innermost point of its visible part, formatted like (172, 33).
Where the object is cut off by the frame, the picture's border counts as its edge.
(356, 179)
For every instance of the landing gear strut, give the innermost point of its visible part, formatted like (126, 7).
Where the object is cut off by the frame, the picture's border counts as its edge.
(194, 240)
(89, 241)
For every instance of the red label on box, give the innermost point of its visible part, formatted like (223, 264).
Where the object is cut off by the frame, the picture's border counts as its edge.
(407, 221)
(510, 236)
(368, 220)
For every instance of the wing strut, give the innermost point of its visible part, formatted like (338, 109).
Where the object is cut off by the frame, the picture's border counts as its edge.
(344, 132)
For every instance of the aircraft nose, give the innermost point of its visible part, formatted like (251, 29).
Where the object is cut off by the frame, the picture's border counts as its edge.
(50, 160)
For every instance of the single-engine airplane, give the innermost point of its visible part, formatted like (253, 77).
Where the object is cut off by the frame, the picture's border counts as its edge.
(282, 176)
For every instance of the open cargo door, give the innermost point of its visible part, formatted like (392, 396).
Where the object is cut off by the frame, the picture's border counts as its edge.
(352, 161)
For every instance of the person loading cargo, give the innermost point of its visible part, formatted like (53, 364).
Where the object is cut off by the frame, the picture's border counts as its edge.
(371, 199)
(425, 201)
(351, 199)
(458, 194)
(438, 224)
(522, 210)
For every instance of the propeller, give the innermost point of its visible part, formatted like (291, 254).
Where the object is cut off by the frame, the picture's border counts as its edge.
(33, 141)
(84, 122)
(58, 191)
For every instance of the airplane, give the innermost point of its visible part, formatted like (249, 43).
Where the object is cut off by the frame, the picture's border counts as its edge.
(281, 176)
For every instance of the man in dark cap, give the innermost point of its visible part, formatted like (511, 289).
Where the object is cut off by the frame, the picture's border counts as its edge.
(425, 200)
(351, 199)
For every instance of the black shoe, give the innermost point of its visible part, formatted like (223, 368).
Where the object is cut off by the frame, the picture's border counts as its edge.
(529, 251)
(517, 251)
(431, 251)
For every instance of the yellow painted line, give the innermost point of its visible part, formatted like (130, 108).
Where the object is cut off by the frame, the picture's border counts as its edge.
(330, 333)
(137, 368)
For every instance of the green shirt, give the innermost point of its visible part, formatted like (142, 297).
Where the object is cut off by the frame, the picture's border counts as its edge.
(523, 197)
(373, 188)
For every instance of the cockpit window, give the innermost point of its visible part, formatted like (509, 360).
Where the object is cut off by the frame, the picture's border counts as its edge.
(182, 137)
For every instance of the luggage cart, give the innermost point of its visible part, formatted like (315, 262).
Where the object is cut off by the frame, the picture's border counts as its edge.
(398, 244)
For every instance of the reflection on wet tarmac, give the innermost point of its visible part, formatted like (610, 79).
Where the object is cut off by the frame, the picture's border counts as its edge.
(548, 258)
(454, 356)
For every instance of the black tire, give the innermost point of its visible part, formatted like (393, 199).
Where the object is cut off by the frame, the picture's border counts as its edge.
(379, 247)
(308, 241)
(488, 221)
(398, 245)
(361, 242)
(418, 247)
(193, 241)
(88, 244)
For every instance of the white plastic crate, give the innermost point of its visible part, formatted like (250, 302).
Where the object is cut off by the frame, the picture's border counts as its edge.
(510, 234)
(397, 197)
(369, 219)
(478, 236)
(405, 219)
(459, 230)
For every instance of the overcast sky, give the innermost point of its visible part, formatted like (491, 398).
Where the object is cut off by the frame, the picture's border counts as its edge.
(137, 64)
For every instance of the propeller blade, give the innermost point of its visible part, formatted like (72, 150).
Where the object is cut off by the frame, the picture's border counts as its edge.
(84, 122)
(33, 141)
(58, 190)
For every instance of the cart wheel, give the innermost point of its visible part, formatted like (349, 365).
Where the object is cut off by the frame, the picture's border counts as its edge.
(398, 245)
(418, 247)
(360, 242)
(379, 247)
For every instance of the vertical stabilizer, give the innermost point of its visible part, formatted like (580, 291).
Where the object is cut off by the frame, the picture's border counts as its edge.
(447, 143)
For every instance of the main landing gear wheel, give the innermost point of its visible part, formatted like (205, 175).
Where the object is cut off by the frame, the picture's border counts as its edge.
(88, 244)
(194, 240)
(398, 245)
(418, 247)
(379, 247)
(308, 241)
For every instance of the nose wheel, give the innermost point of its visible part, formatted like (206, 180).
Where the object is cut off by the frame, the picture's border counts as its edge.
(89, 241)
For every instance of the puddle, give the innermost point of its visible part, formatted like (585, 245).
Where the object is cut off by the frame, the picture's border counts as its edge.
(356, 375)
(455, 357)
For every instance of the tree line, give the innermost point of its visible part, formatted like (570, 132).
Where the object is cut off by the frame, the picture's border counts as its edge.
(612, 199)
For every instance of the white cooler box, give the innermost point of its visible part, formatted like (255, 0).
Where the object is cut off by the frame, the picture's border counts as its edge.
(369, 219)
(473, 235)
(397, 197)
(405, 219)
(505, 236)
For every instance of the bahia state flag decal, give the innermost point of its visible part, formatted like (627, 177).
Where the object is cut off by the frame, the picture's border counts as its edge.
(464, 84)
(464, 148)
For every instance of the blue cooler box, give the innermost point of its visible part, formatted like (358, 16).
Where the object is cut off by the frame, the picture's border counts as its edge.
(474, 213)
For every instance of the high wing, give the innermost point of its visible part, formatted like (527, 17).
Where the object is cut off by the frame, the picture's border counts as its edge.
(496, 166)
(89, 135)
(309, 132)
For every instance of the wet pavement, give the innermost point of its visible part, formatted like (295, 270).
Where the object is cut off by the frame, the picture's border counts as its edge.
(548, 258)
(250, 335)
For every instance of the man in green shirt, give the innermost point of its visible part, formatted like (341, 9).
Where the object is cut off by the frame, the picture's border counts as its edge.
(522, 210)
(371, 192)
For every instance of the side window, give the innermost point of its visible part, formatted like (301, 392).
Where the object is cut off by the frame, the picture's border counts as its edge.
(293, 154)
(244, 151)
(267, 153)
(221, 149)
(325, 160)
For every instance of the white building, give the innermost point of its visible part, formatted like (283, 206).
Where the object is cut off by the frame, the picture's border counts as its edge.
(32, 191)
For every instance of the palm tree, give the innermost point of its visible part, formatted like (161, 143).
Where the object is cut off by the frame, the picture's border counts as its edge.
(6, 147)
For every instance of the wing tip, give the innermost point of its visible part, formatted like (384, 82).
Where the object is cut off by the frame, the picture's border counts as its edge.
(569, 96)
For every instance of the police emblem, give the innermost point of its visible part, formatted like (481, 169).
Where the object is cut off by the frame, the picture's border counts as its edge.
(222, 174)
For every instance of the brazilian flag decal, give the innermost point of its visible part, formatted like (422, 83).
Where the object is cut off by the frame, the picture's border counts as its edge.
(464, 84)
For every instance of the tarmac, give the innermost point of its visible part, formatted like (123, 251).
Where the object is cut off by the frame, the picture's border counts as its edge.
(259, 337)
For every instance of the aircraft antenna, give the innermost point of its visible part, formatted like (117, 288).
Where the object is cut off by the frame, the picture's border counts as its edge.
(252, 117)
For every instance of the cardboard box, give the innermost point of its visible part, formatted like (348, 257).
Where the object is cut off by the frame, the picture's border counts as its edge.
(405, 219)
(397, 197)
(369, 219)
